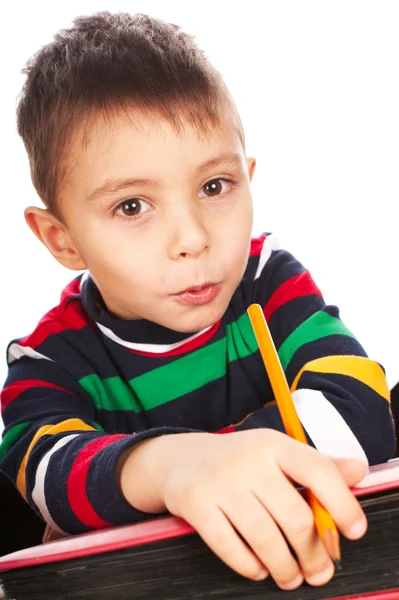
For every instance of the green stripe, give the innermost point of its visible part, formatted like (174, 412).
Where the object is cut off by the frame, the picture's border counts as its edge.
(11, 437)
(96, 426)
(319, 325)
(175, 379)
(110, 394)
(241, 341)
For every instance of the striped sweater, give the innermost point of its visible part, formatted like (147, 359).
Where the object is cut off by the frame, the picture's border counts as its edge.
(86, 385)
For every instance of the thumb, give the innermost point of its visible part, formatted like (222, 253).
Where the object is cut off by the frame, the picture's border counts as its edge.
(351, 469)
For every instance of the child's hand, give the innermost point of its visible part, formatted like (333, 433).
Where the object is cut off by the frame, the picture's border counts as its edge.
(239, 483)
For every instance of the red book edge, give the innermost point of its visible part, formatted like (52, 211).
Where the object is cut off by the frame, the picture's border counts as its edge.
(382, 595)
(380, 478)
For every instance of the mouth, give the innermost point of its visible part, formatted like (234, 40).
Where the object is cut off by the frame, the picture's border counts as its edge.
(199, 294)
(196, 288)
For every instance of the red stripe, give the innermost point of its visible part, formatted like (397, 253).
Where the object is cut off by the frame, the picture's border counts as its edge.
(58, 319)
(76, 485)
(299, 285)
(46, 326)
(229, 429)
(75, 317)
(72, 289)
(257, 245)
(192, 345)
(13, 390)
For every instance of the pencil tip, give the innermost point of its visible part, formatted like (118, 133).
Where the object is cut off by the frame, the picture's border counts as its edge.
(331, 542)
(337, 564)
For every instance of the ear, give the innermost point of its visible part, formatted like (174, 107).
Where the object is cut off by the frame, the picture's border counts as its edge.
(251, 162)
(54, 235)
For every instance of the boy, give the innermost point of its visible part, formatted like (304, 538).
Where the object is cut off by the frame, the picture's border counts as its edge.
(113, 404)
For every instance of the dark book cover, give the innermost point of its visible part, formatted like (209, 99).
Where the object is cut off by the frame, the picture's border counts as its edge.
(164, 558)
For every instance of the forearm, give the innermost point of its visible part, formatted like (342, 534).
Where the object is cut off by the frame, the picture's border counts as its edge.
(145, 471)
(142, 464)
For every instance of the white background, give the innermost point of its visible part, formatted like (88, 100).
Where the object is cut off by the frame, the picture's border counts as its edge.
(317, 86)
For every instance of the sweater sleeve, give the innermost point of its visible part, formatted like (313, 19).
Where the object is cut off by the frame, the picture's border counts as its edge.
(341, 396)
(60, 459)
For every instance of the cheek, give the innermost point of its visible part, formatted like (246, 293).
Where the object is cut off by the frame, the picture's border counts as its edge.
(241, 218)
(237, 230)
(239, 246)
(106, 248)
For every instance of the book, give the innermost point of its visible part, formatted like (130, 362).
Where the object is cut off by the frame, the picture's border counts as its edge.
(164, 558)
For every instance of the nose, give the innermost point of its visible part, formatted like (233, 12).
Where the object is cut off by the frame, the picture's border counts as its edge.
(190, 236)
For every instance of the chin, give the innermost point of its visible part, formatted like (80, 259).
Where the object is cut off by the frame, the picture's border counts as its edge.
(193, 328)
(194, 323)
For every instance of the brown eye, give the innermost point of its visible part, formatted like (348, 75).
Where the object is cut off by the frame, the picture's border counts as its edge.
(133, 207)
(215, 187)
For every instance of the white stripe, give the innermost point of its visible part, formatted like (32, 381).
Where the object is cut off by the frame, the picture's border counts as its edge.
(84, 278)
(327, 429)
(154, 348)
(38, 495)
(15, 351)
(271, 243)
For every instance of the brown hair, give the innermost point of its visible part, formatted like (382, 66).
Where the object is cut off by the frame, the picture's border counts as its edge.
(107, 63)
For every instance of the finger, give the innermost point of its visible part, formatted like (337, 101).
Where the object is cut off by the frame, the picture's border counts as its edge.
(320, 474)
(265, 538)
(219, 534)
(295, 518)
(351, 469)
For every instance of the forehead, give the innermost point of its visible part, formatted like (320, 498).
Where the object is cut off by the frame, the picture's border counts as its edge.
(136, 138)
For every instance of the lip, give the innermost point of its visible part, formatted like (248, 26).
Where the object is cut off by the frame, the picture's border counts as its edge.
(196, 288)
(199, 294)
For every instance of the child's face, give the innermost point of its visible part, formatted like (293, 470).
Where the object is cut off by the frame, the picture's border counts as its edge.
(178, 226)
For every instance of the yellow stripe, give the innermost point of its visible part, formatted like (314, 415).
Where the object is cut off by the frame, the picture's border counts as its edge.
(49, 429)
(365, 370)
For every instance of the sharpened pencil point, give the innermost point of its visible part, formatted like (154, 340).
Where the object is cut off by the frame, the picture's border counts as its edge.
(337, 564)
(331, 542)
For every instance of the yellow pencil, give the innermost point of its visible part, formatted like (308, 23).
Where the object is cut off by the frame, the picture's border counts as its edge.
(324, 522)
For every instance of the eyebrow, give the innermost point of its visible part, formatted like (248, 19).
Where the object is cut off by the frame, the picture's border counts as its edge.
(111, 186)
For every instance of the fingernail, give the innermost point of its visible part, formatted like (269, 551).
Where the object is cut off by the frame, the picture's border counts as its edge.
(358, 529)
(292, 585)
(262, 575)
(322, 577)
